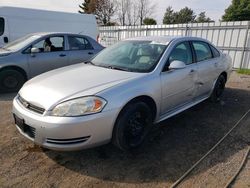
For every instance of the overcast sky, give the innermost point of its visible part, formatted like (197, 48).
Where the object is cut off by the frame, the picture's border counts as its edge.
(214, 9)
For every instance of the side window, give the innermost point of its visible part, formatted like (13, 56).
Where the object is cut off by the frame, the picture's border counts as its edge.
(216, 53)
(50, 44)
(1, 26)
(202, 51)
(182, 52)
(79, 43)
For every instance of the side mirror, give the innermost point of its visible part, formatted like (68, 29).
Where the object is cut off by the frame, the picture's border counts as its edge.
(35, 50)
(177, 65)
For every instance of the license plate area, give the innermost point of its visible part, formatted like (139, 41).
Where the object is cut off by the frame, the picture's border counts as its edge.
(28, 130)
(19, 122)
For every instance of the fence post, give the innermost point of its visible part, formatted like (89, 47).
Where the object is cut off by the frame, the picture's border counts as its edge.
(118, 33)
(186, 30)
(245, 46)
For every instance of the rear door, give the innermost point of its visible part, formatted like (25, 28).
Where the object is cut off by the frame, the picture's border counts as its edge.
(49, 57)
(178, 86)
(207, 67)
(79, 49)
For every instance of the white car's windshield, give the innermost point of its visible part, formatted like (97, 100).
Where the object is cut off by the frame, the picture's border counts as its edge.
(20, 43)
(134, 56)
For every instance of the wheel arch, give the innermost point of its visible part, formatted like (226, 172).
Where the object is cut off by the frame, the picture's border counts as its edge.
(19, 69)
(142, 98)
(225, 75)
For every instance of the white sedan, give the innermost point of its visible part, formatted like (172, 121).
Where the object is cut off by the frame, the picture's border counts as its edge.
(121, 93)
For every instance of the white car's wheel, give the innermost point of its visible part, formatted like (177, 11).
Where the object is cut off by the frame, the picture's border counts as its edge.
(218, 89)
(132, 126)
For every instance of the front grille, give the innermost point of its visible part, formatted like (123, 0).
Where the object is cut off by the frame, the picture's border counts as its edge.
(28, 130)
(30, 106)
(67, 141)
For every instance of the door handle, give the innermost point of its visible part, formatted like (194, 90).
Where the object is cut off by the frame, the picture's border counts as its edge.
(90, 53)
(216, 64)
(62, 55)
(5, 39)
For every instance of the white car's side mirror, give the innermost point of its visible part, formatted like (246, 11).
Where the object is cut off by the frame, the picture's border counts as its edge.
(177, 65)
(35, 50)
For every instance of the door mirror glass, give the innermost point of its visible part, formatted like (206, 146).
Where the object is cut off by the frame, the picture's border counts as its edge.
(35, 50)
(177, 65)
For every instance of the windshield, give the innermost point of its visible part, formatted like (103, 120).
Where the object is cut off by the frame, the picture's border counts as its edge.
(134, 56)
(20, 43)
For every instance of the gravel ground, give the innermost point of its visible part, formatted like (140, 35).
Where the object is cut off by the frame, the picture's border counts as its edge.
(172, 149)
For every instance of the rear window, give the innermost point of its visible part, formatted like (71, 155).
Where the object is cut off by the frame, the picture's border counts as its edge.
(79, 43)
(1, 26)
(202, 51)
(216, 53)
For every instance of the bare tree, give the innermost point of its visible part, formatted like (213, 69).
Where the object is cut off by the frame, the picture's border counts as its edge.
(122, 10)
(132, 13)
(105, 10)
(145, 9)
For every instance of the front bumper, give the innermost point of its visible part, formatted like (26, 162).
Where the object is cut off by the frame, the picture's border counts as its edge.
(66, 133)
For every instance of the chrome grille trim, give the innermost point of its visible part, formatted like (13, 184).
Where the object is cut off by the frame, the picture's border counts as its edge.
(30, 106)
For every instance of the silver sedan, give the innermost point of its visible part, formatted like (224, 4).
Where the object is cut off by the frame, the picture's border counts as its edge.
(40, 52)
(120, 94)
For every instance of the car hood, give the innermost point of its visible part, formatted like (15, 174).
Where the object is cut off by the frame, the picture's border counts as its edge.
(51, 88)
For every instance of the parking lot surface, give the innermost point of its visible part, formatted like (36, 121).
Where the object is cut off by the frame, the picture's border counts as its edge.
(170, 151)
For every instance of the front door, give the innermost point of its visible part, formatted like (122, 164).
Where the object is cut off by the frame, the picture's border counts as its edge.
(179, 85)
(51, 55)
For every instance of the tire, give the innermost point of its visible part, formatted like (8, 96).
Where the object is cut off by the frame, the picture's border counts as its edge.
(218, 89)
(132, 126)
(11, 80)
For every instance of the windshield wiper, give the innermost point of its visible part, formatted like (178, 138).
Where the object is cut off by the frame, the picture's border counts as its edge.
(89, 62)
(119, 68)
(115, 67)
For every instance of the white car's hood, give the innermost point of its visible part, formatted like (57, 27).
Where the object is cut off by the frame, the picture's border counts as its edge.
(70, 82)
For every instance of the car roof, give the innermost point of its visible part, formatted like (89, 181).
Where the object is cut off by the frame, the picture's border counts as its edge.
(52, 33)
(164, 39)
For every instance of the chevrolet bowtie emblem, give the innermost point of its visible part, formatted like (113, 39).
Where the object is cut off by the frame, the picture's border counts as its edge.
(25, 104)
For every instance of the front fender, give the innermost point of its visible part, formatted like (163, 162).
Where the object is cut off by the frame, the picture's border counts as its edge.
(121, 95)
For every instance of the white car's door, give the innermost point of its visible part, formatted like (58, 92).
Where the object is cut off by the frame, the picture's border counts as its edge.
(207, 63)
(179, 85)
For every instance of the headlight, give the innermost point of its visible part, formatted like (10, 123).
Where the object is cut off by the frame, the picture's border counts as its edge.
(79, 107)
